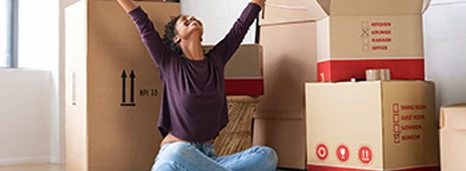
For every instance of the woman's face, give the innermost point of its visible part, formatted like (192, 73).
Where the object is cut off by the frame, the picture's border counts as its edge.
(186, 26)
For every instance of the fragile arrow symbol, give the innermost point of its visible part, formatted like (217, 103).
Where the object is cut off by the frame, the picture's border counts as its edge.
(132, 76)
(123, 78)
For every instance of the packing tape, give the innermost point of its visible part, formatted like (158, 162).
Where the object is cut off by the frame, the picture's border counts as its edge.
(377, 74)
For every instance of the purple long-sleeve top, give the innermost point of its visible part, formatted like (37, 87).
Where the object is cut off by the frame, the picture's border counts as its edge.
(194, 106)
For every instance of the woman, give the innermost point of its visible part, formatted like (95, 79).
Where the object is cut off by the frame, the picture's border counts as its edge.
(194, 106)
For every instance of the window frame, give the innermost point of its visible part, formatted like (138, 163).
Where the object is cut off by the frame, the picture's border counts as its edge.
(12, 34)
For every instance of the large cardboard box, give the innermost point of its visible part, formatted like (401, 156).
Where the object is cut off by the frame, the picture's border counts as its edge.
(356, 35)
(113, 90)
(288, 37)
(244, 71)
(379, 125)
(453, 137)
(289, 57)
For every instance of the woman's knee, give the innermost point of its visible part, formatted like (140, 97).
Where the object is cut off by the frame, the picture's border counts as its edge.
(270, 156)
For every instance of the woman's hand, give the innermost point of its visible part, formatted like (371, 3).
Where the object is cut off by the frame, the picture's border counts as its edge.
(259, 2)
(128, 5)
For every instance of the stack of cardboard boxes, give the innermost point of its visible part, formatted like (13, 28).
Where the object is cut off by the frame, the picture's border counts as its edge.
(288, 36)
(370, 125)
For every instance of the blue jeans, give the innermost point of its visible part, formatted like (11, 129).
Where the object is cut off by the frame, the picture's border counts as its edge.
(183, 156)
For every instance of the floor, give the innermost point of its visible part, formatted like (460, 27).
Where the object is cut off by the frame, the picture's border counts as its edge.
(43, 167)
(33, 167)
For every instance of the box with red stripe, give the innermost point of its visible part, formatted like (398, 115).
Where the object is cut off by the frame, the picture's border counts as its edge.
(356, 35)
(244, 71)
(372, 126)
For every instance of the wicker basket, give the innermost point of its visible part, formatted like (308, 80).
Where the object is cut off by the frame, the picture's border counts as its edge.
(237, 135)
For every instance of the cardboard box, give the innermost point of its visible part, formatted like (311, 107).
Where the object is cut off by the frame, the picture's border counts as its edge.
(288, 37)
(244, 71)
(379, 125)
(113, 89)
(357, 35)
(453, 137)
(287, 66)
(289, 55)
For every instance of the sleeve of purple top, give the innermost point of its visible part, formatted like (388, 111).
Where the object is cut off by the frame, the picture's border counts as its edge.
(231, 42)
(158, 50)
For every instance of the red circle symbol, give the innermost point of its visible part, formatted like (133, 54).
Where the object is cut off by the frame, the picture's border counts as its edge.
(342, 153)
(322, 151)
(365, 154)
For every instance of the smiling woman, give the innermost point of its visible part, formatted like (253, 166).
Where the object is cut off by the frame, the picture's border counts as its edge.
(194, 108)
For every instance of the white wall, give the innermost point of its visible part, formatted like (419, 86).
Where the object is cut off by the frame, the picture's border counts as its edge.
(445, 48)
(38, 50)
(218, 17)
(24, 116)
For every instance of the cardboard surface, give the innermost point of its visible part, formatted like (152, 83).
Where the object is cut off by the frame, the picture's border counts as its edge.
(453, 137)
(287, 66)
(286, 136)
(113, 89)
(380, 125)
(377, 33)
(284, 12)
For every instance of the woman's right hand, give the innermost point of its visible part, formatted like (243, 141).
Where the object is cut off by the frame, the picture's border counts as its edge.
(128, 5)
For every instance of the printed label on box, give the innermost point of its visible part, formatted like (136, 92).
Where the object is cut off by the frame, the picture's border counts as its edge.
(321, 151)
(365, 154)
(408, 122)
(376, 36)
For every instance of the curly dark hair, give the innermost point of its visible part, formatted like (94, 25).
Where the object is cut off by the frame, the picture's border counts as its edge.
(170, 33)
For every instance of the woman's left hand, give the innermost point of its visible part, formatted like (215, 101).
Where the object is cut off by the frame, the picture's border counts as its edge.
(259, 2)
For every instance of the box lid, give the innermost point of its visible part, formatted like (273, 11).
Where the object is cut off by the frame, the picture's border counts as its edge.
(453, 117)
(320, 9)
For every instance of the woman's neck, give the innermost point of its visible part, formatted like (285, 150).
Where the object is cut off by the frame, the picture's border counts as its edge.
(192, 49)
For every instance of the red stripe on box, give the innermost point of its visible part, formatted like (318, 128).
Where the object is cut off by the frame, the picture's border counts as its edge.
(251, 87)
(331, 168)
(344, 70)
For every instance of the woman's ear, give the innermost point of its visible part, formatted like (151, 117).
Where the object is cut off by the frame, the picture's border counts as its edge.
(177, 39)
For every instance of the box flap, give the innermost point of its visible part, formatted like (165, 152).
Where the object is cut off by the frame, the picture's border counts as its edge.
(453, 117)
(278, 12)
(322, 8)
(317, 8)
